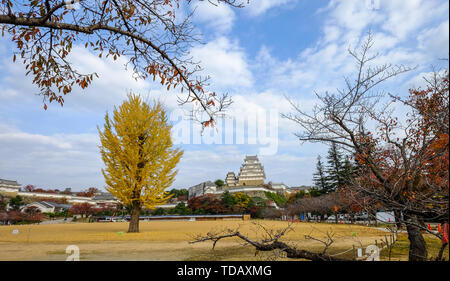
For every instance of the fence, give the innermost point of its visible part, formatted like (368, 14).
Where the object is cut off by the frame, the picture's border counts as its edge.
(176, 217)
(372, 252)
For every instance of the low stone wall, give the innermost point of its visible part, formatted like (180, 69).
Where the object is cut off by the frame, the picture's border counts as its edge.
(8, 193)
(250, 191)
(183, 217)
(42, 196)
(69, 198)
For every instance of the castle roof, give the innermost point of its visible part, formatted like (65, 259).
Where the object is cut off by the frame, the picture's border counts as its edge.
(8, 182)
(251, 157)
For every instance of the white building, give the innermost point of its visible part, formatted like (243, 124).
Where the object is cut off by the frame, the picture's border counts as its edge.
(252, 172)
(9, 186)
(231, 179)
(250, 181)
(201, 189)
(70, 198)
(47, 207)
(12, 188)
(295, 189)
(279, 187)
(210, 188)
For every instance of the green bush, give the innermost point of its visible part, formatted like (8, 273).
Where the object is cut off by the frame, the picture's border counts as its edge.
(314, 192)
(219, 183)
(279, 199)
(228, 199)
(181, 209)
(158, 212)
(258, 202)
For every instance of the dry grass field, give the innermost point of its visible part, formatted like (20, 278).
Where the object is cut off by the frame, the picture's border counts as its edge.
(165, 240)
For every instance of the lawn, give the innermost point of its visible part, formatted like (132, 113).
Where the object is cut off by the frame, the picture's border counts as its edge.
(400, 249)
(168, 240)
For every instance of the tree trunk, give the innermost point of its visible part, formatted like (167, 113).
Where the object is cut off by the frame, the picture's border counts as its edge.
(418, 246)
(374, 215)
(398, 218)
(441, 252)
(134, 219)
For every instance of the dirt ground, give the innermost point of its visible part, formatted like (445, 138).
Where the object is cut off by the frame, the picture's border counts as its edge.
(167, 240)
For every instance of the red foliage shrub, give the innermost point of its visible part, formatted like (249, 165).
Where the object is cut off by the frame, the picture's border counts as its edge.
(208, 203)
(85, 209)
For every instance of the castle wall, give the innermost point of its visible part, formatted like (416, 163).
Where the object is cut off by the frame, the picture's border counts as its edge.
(251, 182)
(252, 191)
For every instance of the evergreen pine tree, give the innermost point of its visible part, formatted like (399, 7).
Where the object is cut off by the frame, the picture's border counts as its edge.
(348, 170)
(335, 168)
(320, 178)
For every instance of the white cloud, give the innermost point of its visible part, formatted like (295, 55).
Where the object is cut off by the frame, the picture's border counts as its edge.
(259, 7)
(198, 166)
(106, 91)
(397, 18)
(323, 66)
(332, 33)
(56, 159)
(405, 17)
(9, 94)
(110, 88)
(219, 17)
(11, 87)
(113, 79)
(352, 17)
(295, 170)
(225, 62)
(316, 68)
(420, 80)
(435, 40)
(53, 161)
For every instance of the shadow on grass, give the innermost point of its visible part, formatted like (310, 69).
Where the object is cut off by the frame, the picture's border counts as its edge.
(400, 251)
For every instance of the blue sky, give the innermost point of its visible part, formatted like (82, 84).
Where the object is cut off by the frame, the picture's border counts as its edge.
(258, 54)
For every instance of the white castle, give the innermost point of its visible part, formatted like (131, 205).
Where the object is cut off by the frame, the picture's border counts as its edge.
(251, 174)
(251, 180)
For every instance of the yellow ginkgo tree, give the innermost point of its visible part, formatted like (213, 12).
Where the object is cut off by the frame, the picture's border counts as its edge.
(139, 157)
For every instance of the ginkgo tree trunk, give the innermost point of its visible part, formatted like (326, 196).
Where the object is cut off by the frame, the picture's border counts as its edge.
(139, 156)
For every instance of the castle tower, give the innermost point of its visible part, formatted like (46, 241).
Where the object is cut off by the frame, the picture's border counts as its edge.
(252, 172)
(231, 179)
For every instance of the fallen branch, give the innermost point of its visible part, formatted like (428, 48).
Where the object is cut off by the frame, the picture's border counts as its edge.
(268, 245)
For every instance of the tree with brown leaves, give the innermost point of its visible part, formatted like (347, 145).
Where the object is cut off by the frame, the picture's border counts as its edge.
(403, 164)
(153, 37)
